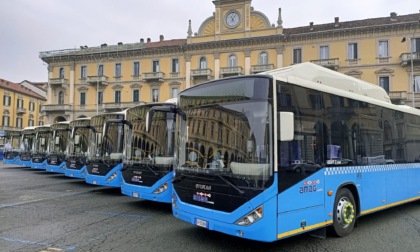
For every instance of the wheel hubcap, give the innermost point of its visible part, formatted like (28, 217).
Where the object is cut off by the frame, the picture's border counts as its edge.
(345, 212)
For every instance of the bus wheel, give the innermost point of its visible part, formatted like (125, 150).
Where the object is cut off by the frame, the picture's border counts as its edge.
(344, 212)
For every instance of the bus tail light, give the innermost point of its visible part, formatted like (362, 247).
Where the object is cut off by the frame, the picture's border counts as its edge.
(252, 217)
(161, 188)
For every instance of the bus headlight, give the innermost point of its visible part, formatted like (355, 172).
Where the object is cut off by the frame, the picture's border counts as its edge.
(114, 175)
(161, 188)
(250, 218)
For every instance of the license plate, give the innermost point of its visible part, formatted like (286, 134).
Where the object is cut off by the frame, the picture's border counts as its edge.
(135, 194)
(94, 182)
(201, 223)
(71, 175)
(52, 170)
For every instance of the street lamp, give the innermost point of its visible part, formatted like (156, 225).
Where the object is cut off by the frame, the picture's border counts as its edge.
(97, 81)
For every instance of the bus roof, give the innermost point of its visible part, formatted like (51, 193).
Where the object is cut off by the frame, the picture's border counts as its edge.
(323, 76)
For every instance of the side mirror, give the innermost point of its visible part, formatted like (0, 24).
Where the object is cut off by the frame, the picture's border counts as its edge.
(76, 139)
(99, 138)
(286, 126)
(57, 140)
(42, 140)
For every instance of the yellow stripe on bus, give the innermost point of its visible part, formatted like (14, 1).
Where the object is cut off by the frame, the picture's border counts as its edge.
(390, 205)
(301, 230)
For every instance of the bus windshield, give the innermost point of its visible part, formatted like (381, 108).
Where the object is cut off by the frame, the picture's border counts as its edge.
(42, 140)
(228, 135)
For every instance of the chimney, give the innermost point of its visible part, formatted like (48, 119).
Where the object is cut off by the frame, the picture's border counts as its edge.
(161, 38)
(311, 26)
(142, 40)
(336, 21)
(120, 43)
(393, 16)
(148, 40)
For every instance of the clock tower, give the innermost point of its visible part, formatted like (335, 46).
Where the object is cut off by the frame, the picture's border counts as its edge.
(232, 16)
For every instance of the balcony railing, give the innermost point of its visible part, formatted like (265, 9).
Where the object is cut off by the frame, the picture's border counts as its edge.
(21, 110)
(328, 63)
(406, 58)
(261, 68)
(58, 82)
(56, 108)
(174, 75)
(154, 76)
(101, 80)
(226, 71)
(205, 72)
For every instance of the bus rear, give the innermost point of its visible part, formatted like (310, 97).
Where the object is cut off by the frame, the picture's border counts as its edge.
(148, 171)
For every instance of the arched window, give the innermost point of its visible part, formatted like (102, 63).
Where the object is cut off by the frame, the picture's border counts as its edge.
(233, 61)
(203, 63)
(263, 60)
(61, 97)
(61, 73)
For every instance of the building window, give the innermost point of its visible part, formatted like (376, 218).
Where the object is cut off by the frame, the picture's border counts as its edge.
(30, 122)
(61, 73)
(263, 59)
(156, 66)
(233, 61)
(155, 95)
(31, 106)
(6, 120)
(19, 103)
(40, 123)
(352, 51)
(384, 83)
(82, 98)
(324, 52)
(118, 70)
(203, 63)
(100, 70)
(6, 100)
(136, 68)
(297, 55)
(83, 72)
(136, 95)
(383, 49)
(175, 66)
(117, 96)
(416, 83)
(415, 45)
(61, 97)
(19, 122)
(174, 92)
(100, 97)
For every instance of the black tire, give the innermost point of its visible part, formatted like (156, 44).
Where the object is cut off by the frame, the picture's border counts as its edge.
(344, 213)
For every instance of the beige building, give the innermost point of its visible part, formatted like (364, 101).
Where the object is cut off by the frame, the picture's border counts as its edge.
(235, 40)
(21, 107)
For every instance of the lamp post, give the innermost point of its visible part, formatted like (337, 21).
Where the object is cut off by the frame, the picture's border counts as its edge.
(97, 81)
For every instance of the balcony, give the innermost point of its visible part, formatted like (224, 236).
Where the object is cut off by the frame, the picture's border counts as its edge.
(21, 110)
(113, 107)
(230, 71)
(56, 108)
(405, 58)
(405, 98)
(58, 82)
(201, 73)
(154, 76)
(174, 75)
(261, 68)
(327, 63)
(94, 80)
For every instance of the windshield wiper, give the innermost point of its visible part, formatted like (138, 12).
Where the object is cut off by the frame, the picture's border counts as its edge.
(182, 176)
(151, 169)
(230, 184)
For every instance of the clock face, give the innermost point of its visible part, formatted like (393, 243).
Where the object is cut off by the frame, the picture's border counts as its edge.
(232, 19)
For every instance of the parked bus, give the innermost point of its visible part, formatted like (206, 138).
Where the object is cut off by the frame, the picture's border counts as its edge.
(11, 154)
(293, 150)
(105, 162)
(148, 169)
(43, 135)
(27, 146)
(58, 147)
(81, 143)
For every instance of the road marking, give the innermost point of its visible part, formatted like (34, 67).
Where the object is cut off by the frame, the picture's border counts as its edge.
(44, 244)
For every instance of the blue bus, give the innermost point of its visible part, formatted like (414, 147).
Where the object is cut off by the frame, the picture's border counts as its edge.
(148, 169)
(80, 144)
(105, 162)
(293, 150)
(43, 136)
(58, 147)
(27, 146)
(12, 149)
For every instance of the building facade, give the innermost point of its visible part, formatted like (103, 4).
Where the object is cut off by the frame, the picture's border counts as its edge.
(235, 40)
(21, 106)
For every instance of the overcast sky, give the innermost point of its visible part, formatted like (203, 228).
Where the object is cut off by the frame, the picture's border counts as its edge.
(28, 27)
